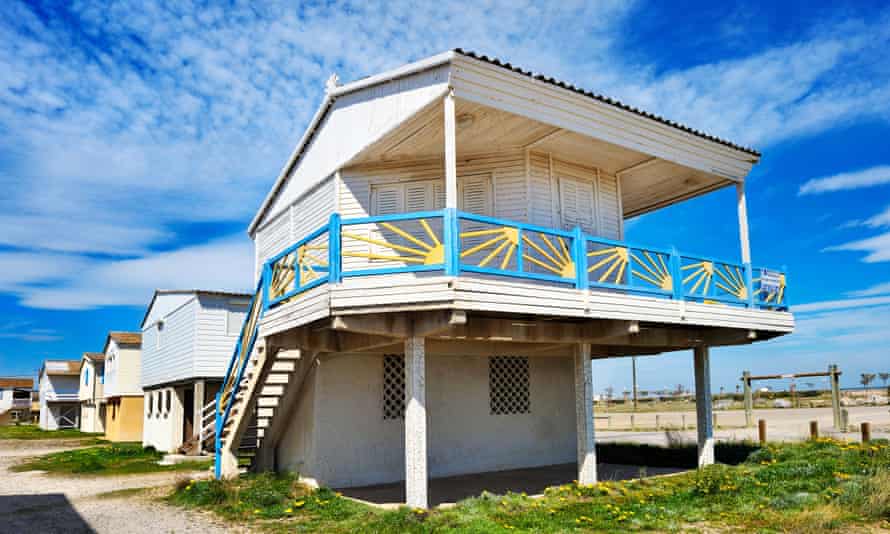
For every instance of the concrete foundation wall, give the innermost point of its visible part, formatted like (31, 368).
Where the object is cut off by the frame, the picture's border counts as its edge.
(355, 446)
(162, 427)
(123, 419)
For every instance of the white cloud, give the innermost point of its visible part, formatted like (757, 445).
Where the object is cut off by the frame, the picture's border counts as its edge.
(19, 269)
(24, 331)
(224, 265)
(848, 180)
(840, 304)
(877, 247)
(879, 289)
(880, 220)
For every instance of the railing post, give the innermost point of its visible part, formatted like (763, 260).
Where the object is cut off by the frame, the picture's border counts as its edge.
(749, 284)
(334, 267)
(451, 241)
(676, 274)
(579, 251)
(217, 440)
(266, 280)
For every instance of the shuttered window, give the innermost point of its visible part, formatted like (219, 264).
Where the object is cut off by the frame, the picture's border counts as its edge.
(475, 196)
(577, 200)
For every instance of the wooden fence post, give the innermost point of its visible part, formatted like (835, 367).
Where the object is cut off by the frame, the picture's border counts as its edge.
(865, 429)
(761, 430)
(814, 429)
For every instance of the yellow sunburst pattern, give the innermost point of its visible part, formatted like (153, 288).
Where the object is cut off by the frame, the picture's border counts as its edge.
(420, 246)
(498, 247)
(703, 276)
(610, 263)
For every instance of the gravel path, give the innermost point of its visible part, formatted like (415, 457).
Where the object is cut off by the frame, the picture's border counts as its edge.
(36, 502)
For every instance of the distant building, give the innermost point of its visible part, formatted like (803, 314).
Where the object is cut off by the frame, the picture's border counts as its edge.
(15, 400)
(121, 391)
(59, 390)
(92, 399)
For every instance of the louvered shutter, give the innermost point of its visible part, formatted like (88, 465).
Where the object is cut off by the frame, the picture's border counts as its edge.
(438, 195)
(475, 195)
(388, 200)
(577, 204)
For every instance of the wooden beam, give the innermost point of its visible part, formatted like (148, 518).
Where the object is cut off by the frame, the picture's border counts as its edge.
(637, 166)
(401, 324)
(742, 205)
(551, 135)
(495, 329)
(450, 152)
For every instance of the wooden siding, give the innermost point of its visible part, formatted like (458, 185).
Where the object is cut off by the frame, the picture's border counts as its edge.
(171, 359)
(354, 122)
(163, 304)
(305, 215)
(123, 371)
(213, 342)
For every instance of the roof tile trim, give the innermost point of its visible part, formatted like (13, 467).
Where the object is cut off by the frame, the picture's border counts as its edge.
(612, 102)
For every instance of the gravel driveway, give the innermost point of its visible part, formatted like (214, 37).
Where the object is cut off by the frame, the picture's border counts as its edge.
(33, 501)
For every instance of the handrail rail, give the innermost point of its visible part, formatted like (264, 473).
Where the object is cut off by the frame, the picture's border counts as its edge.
(436, 241)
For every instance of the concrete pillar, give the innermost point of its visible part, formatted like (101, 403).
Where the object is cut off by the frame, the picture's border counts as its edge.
(584, 415)
(198, 407)
(703, 408)
(415, 423)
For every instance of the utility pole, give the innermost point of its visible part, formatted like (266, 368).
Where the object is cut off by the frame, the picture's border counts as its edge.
(634, 367)
(749, 401)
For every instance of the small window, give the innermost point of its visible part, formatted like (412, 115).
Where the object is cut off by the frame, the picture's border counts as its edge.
(508, 385)
(393, 386)
(151, 403)
(86, 376)
(168, 403)
(158, 335)
(234, 321)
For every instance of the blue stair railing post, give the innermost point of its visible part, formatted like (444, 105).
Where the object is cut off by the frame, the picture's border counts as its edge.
(579, 251)
(676, 274)
(749, 284)
(266, 278)
(335, 272)
(217, 439)
(451, 241)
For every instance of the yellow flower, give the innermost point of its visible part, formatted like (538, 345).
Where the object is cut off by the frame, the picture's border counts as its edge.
(289, 511)
(256, 511)
(299, 504)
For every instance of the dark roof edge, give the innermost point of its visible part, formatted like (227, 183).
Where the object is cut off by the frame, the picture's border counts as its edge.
(604, 99)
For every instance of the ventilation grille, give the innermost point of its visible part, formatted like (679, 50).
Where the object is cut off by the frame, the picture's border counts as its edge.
(508, 385)
(393, 386)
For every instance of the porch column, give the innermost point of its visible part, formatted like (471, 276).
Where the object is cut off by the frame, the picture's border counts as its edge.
(198, 409)
(743, 222)
(703, 408)
(584, 415)
(415, 423)
(450, 153)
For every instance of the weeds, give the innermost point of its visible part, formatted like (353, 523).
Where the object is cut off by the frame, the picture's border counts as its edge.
(816, 486)
(111, 459)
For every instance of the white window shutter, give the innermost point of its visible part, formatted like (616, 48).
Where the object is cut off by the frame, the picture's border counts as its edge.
(418, 197)
(475, 195)
(438, 195)
(577, 204)
(388, 200)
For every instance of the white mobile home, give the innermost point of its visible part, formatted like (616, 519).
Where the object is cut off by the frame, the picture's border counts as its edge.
(188, 338)
(15, 400)
(442, 257)
(121, 392)
(59, 394)
(92, 392)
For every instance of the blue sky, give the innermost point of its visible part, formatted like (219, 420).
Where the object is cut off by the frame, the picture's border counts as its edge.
(137, 141)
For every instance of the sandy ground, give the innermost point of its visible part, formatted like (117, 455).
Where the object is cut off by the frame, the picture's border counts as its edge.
(35, 502)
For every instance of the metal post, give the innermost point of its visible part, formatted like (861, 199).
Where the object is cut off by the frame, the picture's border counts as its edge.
(834, 379)
(633, 362)
(217, 440)
(749, 399)
(335, 275)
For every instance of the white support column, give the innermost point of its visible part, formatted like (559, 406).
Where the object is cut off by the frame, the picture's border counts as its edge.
(743, 222)
(450, 153)
(703, 408)
(197, 408)
(584, 415)
(415, 423)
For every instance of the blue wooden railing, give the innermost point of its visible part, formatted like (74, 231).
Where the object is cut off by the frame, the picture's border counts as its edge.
(454, 242)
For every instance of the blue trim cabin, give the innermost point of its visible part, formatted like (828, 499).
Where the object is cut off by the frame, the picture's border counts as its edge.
(442, 257)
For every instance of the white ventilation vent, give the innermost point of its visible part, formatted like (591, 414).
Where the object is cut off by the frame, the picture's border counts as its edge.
(508, 385)
(393, 386)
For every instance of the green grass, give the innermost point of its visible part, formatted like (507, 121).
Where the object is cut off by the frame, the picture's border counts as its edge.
(110, 459)
(31, 432)
(815, 486)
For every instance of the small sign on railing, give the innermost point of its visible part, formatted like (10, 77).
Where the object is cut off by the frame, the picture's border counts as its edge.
(770, 281)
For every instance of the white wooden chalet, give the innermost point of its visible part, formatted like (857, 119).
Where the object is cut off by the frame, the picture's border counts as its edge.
(443, 255)
(187, 339)
(59, 386)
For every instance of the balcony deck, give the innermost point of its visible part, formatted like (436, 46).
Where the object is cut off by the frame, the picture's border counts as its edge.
(453, 260)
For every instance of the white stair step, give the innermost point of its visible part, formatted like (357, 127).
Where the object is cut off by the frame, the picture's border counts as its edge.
(267, 402)
(277, 378)
(262, 422)
(272, 390)
(265, 412)
(288, 355)
(286, 366)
